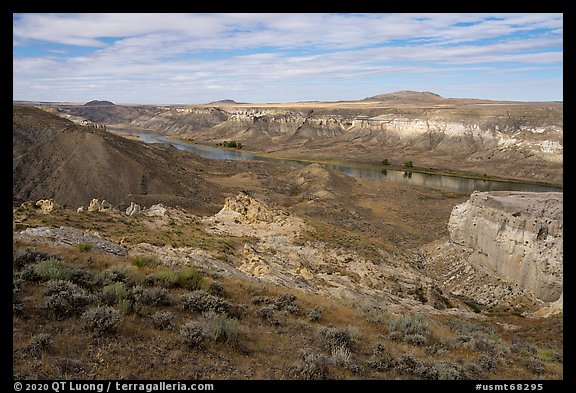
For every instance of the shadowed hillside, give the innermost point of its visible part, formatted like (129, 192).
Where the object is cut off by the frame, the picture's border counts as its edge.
(54, 158)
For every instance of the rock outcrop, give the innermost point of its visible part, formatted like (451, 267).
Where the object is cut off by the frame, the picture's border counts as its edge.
(97, 206)
(46, 205)
(510, 241)
(94, 206)
(133, 209)
(158, 210)
(252, 211)
(69, 237)
(518, 234)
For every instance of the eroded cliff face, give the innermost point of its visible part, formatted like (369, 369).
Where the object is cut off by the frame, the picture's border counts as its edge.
(519, 235)
(481, 137)
(515, 236)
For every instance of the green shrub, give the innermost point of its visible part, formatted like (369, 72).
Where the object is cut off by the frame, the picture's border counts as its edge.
(552, 355)
(124, 306)
(166, 277)
(232, 144)
(143, 260)
(385, 162)
(219, 327)
(117, 274)
(113, 293)
(84, 247)
(102, 320)
(410, 324)
(52, 269)
(409, 164)
(190, 279)
(65, 298)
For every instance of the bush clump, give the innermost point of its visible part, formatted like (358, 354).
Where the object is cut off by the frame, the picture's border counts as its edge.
(84, 247)
(113, 293)
(22, 257)
(193, 334)
(406, 364)
(335, 337)
(440, 370)
(52, 269)
(162, 320)
(216, 290)
(219, 327)
(311, 367)
(232, 144)
(166, 277)
(151, 296)
(102, 320)
(535, 365)
(286, 302)
(190, 279)
(381, 360)
(315, 315)
(115, 274)
(64, 298)
(410, 325)
(201, 301)
(39, 343)
(143, 260)
(488, 363)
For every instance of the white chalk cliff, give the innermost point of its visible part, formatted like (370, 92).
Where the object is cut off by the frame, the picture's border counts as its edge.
(517, 234)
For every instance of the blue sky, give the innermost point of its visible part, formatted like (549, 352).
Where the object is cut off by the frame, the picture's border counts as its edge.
(198, 58)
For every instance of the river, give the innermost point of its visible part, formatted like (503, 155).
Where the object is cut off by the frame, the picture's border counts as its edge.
(458, 184)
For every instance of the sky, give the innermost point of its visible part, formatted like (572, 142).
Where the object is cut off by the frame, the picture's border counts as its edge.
(260, 58)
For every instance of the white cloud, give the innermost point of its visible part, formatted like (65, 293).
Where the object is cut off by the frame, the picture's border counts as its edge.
(189, 55)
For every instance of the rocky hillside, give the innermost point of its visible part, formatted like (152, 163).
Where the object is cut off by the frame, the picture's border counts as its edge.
(512, 139)
(504, 245)
(55, 158)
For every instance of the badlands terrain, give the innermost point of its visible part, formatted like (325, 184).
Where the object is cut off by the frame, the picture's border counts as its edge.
(520, 140)
(131, 259)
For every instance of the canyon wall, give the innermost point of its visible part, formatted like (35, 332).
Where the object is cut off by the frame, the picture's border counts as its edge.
(482, 138)
(516, 234)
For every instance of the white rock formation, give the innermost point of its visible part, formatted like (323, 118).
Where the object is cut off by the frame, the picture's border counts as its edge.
(158, 210)
(517, 235)
(133, 209)
(94, 206)
(251, 210)
(46, 205)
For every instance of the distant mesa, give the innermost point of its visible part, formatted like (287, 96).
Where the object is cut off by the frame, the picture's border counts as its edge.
(99, 103)
(406, 95)
(223, 102)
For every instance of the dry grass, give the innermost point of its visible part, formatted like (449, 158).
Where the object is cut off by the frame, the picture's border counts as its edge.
(260, 350)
